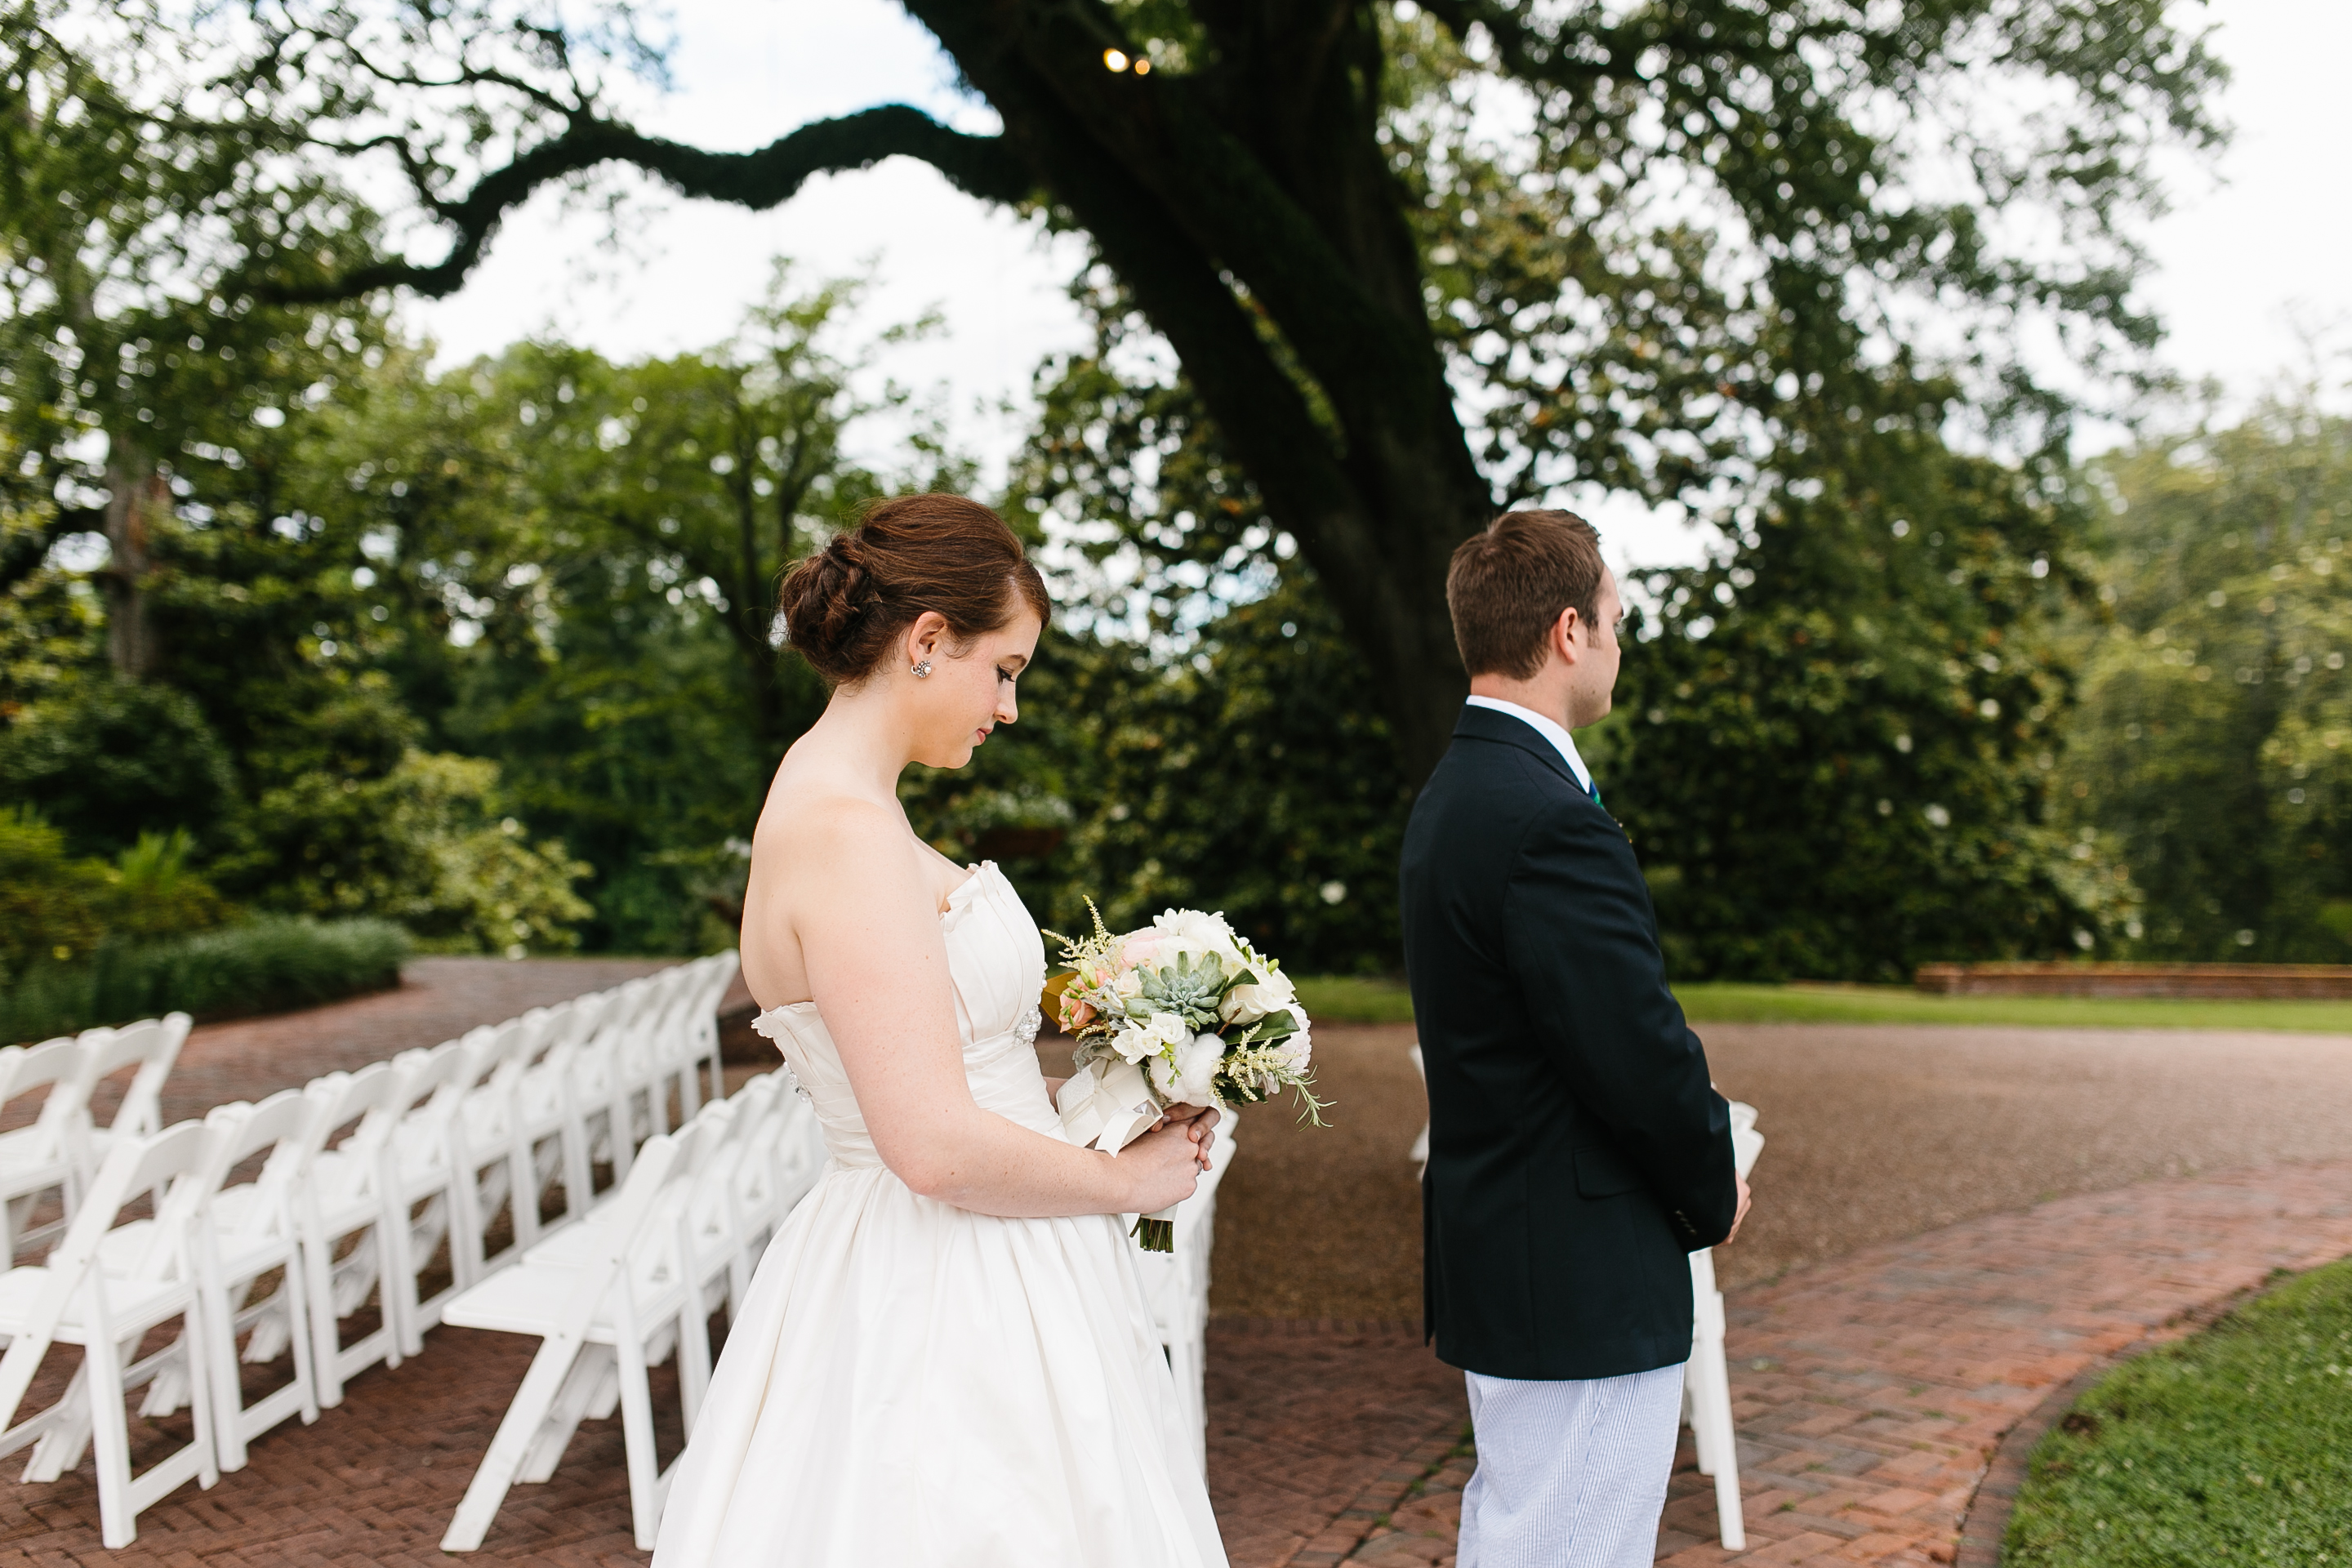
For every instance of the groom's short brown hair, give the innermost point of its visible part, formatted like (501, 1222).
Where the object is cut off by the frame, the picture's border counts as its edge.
(1510, 580)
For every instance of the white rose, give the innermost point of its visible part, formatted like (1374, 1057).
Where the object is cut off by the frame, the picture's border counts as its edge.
(1128, 985)
(1196, 932)
(1132, 1043)
(1266, 992)
(1192, 1079)
(1168, 1032)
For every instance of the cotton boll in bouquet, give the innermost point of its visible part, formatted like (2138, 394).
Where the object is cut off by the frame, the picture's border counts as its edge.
(1179, 1012)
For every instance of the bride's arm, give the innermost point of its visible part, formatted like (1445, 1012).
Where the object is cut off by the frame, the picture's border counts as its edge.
(876, 962)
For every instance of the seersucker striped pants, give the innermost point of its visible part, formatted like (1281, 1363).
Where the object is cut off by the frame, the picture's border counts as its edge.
(1571, 1474)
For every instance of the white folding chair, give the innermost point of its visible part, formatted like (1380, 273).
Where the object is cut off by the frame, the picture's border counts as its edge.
(650, 1055)
(421, 1160)
(755, 1195)
(343, 1200)
(1419, 1152)
(716, 1223)
(152, 1045)
(550, 1122)
(493, 1174)
(714, 975)
(1706, 1383)
(41, 1158)
(106, 1288)
(600, 1321)
(246, 1234)
(602, 1089)
(1176, 1288)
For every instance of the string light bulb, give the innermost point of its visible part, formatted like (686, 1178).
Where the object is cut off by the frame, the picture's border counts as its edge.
(1142, 66)
(1114, 59)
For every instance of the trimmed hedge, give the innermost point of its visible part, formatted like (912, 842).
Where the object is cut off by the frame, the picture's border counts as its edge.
(263, 965)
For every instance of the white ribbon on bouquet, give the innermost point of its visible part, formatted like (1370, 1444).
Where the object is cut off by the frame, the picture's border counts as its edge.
(1108, 1105)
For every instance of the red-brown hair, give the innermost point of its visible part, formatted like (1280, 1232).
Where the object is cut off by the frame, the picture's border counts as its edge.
(845, 605)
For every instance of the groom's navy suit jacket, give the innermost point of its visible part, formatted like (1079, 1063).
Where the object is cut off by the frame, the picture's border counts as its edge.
(1577, 1152)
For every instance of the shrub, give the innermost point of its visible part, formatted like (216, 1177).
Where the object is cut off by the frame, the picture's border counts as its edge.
(424, 844)
(113, 759)
(260, 966)
(49, 903)
(154, 894)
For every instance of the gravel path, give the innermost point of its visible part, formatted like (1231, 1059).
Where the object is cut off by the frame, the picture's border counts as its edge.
(1873, 1132)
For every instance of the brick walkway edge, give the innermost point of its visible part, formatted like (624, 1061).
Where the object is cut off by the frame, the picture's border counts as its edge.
(1871, 1392)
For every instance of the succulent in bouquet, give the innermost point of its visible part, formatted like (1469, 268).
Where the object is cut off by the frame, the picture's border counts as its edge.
(1181, 1011)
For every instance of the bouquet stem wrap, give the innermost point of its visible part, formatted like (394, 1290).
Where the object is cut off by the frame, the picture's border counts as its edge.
(1107, 1106)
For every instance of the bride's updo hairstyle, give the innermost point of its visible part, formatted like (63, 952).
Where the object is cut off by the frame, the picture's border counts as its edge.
(846, 605)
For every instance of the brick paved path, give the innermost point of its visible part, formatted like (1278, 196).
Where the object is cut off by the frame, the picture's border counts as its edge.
(1871, 1391)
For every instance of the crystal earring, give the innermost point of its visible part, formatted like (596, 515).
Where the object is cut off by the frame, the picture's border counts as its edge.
(923, 670)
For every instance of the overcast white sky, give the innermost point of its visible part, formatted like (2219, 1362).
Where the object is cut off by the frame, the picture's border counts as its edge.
(2255, 244)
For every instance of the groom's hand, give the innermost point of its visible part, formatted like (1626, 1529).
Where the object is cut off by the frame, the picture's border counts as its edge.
(1741, 1213)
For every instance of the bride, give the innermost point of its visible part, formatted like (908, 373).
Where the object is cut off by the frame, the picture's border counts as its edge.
(945, 1359)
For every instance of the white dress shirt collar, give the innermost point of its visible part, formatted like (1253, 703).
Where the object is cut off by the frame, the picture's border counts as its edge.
(1561, 741)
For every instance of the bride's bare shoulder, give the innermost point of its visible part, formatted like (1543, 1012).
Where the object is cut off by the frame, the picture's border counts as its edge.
(817, 828)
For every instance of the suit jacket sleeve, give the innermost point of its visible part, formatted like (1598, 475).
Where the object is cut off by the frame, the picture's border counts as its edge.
(1583, 944)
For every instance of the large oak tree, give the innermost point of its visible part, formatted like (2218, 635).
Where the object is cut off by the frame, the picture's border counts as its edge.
(1416, 260)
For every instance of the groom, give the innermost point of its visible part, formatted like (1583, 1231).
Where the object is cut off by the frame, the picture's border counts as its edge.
(1577, 1150)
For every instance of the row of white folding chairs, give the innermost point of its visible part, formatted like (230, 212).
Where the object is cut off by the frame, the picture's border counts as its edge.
(227, 1260)
(60, 1150)
(439, 1141)
(536, 1101)
(633, 1286)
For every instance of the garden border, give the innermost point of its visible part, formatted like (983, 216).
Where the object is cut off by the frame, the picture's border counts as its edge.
(1985, 1522)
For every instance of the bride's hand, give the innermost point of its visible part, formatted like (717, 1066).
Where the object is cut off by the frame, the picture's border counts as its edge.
(1200, 1121)
(1163, 1166)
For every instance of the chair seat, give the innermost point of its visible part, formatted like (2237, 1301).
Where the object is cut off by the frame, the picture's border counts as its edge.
(130, 1304)
(528, 1299)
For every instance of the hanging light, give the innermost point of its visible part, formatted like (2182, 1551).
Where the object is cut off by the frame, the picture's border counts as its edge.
(1142, 66)
(1114, 59)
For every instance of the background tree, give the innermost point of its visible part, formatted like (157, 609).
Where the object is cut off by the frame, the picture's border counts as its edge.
(2215, 743)
(1705, 211)
(127, 337)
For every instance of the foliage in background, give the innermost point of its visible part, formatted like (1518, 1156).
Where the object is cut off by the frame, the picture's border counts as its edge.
(1416, 258)
(1834, 745)
(259, 966)
(55, 909)
(2233, 1445)
(2215, 743)
(1252, 776)
(437, 647)
(1874, 660)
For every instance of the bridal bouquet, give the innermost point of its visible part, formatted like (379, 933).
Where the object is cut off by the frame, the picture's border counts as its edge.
(1182, 1011)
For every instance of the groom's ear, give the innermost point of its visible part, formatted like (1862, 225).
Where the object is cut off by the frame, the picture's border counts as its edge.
(1568, 635)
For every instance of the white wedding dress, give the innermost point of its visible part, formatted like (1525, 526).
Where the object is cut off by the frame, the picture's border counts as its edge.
(911, 1384)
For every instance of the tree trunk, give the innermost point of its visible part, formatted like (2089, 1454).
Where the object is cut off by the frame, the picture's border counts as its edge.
(136, 496)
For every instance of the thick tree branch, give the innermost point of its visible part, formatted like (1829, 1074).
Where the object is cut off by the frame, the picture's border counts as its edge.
(979, 166)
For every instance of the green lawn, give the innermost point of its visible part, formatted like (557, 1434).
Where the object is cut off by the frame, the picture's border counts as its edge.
(2233, 1445)
(1343, 999)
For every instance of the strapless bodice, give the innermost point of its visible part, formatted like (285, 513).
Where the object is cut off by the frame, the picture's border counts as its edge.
(996, 964)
